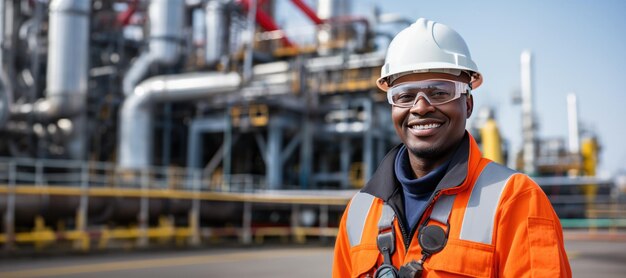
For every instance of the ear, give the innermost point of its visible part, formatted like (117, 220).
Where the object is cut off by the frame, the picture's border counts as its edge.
(469, 103)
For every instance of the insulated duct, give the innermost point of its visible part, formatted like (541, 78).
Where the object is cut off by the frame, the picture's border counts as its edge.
(67, 72)
(6, 91)
(136, 115)
(217, 31)
(166, 29)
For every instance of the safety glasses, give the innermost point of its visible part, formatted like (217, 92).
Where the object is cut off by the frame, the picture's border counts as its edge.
(435, 91)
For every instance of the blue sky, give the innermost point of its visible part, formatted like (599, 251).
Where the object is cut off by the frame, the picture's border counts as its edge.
(578, 46)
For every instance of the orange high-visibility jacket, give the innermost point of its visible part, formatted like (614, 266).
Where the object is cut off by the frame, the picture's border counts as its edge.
(501, 224)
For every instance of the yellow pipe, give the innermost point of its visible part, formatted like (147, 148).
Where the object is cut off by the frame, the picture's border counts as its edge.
(491, 141)
(589, 153)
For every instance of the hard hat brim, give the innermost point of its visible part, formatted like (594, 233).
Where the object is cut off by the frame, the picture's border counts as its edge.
(476, 81)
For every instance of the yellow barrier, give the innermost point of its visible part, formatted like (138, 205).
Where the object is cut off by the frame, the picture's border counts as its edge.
(42, 235)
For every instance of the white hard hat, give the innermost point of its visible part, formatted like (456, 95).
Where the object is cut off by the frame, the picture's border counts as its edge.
(427, 46)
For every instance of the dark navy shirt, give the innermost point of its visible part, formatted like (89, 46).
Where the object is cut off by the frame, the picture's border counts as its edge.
(416, 191)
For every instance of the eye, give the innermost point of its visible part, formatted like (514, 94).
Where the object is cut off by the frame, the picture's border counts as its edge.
(405, 97)
(440, 94)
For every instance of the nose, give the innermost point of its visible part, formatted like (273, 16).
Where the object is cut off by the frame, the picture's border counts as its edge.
(422, 106)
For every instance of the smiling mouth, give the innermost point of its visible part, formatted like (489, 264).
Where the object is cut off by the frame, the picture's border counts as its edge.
(424, 127)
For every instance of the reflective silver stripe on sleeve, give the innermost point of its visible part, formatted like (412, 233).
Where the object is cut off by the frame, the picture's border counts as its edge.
(480, 211)
(357, 214)
(442, 208)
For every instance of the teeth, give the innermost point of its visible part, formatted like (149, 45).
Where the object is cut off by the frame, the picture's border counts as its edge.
(428, 126)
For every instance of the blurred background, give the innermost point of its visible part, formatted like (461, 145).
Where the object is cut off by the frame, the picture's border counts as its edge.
(150, 124)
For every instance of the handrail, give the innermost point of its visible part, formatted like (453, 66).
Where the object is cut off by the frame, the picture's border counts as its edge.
(49, 172)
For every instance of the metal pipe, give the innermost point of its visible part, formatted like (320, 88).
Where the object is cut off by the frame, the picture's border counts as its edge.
(528, 123)
(247, 63)
(7, 56)
(6, 88)
(136, 115)
(572, 123)
(327, 9)
(136, 72)
(67, 63)
(166, 28)
(217, 35)
(328, 34)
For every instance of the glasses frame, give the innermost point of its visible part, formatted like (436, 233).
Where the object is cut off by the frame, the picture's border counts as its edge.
(459, 86)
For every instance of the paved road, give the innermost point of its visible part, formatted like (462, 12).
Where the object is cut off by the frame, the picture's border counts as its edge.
(598, 258)
(589, 258)
(222, 262)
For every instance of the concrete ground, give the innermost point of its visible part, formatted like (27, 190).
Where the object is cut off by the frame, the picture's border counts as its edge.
(597, 256)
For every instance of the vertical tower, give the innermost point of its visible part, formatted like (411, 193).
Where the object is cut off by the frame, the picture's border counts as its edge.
(528, 121)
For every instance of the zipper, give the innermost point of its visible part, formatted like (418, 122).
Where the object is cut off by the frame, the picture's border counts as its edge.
(407, 241)
(404, 234)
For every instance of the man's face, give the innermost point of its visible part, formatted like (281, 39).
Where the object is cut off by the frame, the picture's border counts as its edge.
(432, 132)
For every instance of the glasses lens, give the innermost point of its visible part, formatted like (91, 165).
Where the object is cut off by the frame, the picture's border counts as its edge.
(434, 91)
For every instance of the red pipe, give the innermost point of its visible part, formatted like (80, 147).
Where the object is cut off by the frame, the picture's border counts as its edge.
(124, 17)
(267, 22)
(309, 13)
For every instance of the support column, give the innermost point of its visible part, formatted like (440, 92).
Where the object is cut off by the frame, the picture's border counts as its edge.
(194, 214)
(142, 240)
(166, 145)
(323, 222)
(368, 144)
(9, 214)
(246, 233)
(81, 215)
(295, 224)
(228, 147)
(274, 169)
(345, 162)
(306, 155)
(194, 152)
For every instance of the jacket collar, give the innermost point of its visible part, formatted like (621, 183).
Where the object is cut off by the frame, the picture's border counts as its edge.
(384, 183)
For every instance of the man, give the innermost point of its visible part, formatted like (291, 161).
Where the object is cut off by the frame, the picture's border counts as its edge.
(435, 207)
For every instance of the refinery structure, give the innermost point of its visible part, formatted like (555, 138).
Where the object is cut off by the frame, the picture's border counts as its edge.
(181, 121)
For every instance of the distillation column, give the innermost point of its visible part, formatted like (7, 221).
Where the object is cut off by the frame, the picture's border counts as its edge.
(528, 121)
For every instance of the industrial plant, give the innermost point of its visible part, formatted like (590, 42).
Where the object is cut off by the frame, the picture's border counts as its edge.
(138, 123)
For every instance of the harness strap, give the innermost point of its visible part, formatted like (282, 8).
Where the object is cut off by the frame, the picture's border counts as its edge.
(386, 240)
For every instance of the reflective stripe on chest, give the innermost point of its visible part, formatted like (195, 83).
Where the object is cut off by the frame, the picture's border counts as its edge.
(478, 221)
(480, 211)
